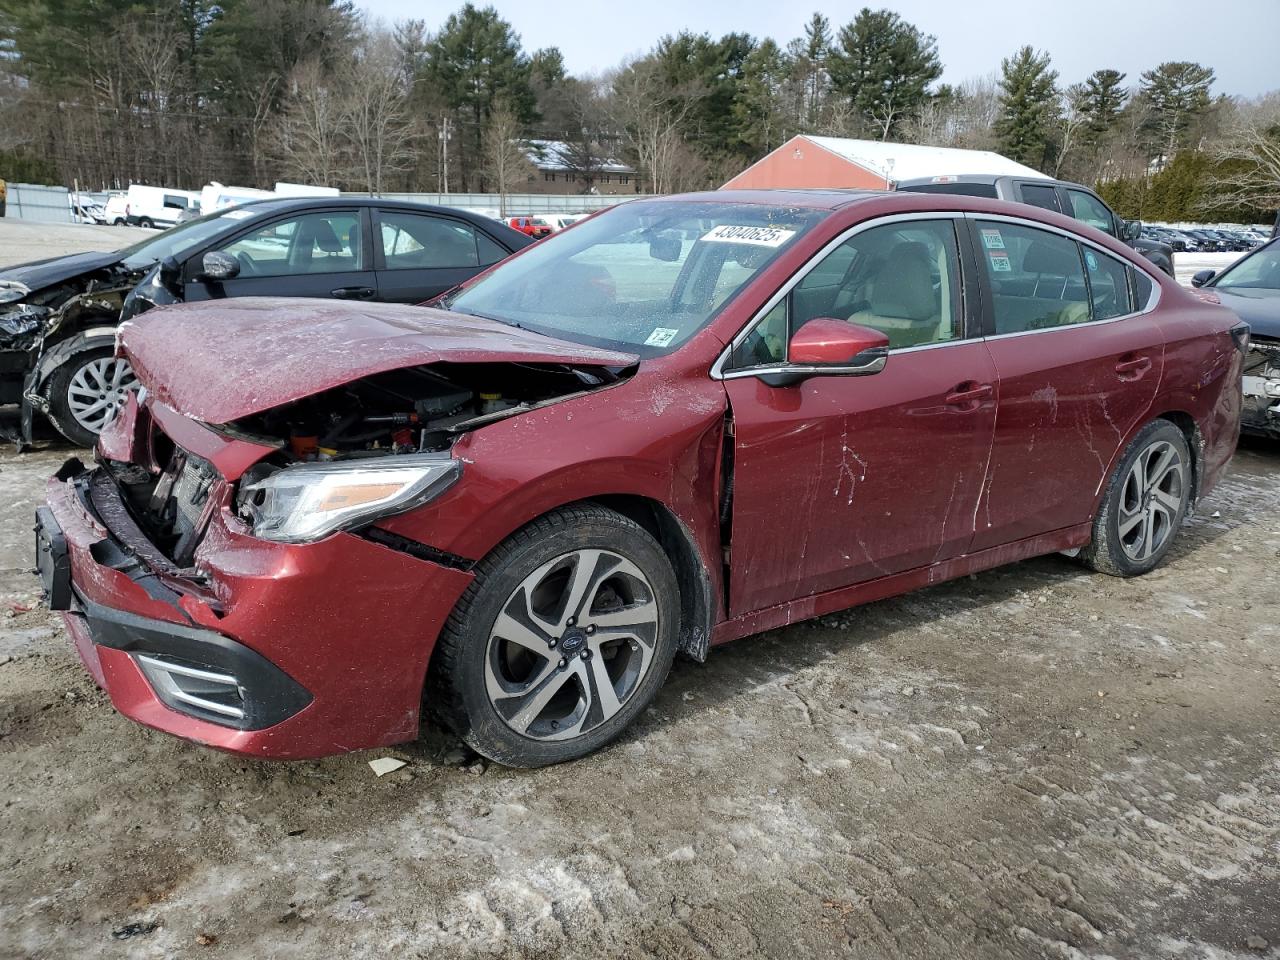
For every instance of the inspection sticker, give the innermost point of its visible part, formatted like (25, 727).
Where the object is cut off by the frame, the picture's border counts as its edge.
(992, 240)
(756, 236)
(661, 337)
(1000, 262)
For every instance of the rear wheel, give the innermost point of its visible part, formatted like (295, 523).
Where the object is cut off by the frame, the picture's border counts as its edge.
(1144, 505)
(87, 391)
(564, 637)
(146, 222)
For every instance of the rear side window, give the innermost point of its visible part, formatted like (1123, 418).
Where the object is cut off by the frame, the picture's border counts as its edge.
(1142, 288)
(961, 189)
(1108, 285)
(413, 241)
(1037, 277)
(1040, 196)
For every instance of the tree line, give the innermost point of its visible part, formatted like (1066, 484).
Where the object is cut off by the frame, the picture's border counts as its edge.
(181, 92)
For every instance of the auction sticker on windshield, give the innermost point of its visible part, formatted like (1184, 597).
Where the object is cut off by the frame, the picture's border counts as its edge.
(661, 337)
(756, 236)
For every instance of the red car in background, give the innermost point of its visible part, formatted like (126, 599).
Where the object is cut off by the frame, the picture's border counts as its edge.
(686, 420)
(536, 227)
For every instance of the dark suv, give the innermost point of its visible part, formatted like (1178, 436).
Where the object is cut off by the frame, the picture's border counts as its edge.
(1060, 196)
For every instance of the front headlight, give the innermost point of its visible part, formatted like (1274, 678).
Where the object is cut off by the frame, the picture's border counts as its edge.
(307, 502)
(13, 292)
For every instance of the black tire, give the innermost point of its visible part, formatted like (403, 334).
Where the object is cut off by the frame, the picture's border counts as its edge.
(146, 222)
(118, 222)
(60, 414)
(457, 693)
(1110, 550)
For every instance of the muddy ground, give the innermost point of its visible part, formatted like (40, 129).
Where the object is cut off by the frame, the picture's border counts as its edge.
(1036, 761)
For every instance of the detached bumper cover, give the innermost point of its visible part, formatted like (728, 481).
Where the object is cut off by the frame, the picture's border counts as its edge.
(323, 647)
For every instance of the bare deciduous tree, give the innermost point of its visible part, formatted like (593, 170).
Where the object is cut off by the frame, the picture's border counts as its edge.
(504, 157)
(1247, 158)
(652, 115)
(375, 112)
(309, 140)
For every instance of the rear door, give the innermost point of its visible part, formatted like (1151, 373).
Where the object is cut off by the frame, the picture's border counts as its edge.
(1079, 362)
(419, 255)
(841, 479)
(320, 253)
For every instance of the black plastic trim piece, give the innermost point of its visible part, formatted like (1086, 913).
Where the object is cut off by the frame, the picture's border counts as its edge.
(270, 694)
(415, 549)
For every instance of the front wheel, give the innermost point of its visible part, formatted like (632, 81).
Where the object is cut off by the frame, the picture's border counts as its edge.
(1144, 504)
(87, 391)
(564, 637)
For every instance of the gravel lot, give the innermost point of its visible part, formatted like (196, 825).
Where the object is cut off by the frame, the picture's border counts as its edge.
(1034, 762)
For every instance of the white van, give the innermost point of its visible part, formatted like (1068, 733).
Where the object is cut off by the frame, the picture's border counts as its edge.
(215, 196)
(158, 206)
(117, 209)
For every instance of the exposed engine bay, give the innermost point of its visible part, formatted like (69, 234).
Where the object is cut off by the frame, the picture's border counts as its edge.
(412, 410)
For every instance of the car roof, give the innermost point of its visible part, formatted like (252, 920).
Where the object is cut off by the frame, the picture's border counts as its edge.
(287, 204)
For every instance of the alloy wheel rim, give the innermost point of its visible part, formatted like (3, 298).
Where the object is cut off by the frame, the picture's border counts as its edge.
(572, 644)
(1154, 490)
(98, 390)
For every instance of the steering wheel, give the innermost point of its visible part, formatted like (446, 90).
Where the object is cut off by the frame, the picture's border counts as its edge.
(248, 266)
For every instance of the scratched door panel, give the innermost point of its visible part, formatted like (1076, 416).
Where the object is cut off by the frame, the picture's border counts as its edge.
(1064, 411)
(844, 479)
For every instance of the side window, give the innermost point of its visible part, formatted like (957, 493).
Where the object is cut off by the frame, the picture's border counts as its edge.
(1087, 208)
(413, 241)
(902, 279)
(489, 250)
(1142, 288)
(1040, 196)
(314, 243)
(1036, 277)
(1108, 285)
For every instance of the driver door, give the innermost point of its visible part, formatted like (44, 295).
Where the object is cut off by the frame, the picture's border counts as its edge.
(844, 478)
(322, 253)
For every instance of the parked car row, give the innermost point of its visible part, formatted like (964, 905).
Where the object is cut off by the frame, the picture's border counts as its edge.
(686, 420)
(58, 317)
(1204, 239)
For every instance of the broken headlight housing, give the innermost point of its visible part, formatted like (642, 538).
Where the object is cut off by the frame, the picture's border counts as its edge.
(11, 292)
(307, 502)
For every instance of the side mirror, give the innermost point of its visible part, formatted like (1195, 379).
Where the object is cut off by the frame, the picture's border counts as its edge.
(828, 347)
(170, 274)
(1132, 229)
(219, 266)
(1201, 278)
(665, 247)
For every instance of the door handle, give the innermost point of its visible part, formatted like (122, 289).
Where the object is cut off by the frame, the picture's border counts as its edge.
(1132, 367)
(969, 396)
(353, 293)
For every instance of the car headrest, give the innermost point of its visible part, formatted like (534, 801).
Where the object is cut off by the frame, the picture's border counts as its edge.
(1043, 257)
(904, 288)
(323, 237)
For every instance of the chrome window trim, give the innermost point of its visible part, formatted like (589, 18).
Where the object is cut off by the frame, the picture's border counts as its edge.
(1152, 301)
(718, 371)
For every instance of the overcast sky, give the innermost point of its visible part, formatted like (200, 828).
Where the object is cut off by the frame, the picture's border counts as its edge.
(1239, 39)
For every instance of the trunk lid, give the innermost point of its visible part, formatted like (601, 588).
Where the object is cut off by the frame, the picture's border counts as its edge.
(221, 360)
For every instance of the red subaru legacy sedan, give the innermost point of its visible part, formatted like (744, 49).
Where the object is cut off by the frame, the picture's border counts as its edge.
(686, 420)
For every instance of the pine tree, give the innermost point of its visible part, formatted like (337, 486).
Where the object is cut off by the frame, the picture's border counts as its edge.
(1028, 107)
(1103, 100)
(1176, 94)
(884, 65)
(808, 67)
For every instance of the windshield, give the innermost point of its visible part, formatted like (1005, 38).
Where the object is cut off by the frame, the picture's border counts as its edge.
(644, 276)
(1257, 275)
(176, 241)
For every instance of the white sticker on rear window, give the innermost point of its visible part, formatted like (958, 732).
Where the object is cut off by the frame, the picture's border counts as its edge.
(756, 236)
(661, 337)
(1000, 263)
(237, 214)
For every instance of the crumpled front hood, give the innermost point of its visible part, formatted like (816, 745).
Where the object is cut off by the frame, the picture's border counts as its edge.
(220, 360)
(1262, 314)
(45, 273)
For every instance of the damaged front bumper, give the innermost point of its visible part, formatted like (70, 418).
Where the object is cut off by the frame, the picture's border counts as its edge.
(1261, 389)
(265, 649)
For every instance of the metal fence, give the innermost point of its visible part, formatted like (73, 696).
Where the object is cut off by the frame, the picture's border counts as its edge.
(30, 201)
(517, 204)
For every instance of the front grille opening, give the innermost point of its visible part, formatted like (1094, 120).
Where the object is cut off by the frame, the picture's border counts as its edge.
(196, 689)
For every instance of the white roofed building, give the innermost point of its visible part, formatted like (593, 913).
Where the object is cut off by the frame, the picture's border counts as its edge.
(807, 161)
(577, 168)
